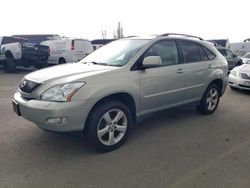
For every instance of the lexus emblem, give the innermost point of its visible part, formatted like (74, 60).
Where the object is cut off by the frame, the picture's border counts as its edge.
(23, 84)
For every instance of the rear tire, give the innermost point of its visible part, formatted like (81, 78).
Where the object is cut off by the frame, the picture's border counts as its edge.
(41, 65)
(62, 61)
(10, 65)
(210, 100)
(108, 125)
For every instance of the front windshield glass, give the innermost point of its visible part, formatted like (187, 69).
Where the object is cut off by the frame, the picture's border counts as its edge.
(117, 53)
(246, 55)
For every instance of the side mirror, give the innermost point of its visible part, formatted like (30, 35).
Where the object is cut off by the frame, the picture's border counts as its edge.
(151, 62)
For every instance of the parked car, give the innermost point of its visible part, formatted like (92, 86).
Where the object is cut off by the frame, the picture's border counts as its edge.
(239, 78)
(67, 50)
(245, 58)
(122, 82)
(16, 51)
(232, 59)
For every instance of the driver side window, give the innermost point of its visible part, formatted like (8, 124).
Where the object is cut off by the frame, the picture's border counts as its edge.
(230, 55)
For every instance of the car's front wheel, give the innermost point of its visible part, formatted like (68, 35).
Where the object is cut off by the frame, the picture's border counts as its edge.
(210, 100)
(108, 125)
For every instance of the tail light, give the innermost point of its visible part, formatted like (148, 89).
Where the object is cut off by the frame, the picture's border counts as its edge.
(72, 45)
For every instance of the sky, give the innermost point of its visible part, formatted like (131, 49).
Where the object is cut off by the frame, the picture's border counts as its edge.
(209, 19)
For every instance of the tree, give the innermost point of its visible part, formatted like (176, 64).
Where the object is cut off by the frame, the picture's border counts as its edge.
(104, 34)
(119, 32)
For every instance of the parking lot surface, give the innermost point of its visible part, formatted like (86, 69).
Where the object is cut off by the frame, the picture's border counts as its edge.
(175, 148)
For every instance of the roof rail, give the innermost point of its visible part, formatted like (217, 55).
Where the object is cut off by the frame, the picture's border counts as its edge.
(129, 36)
(179, 34)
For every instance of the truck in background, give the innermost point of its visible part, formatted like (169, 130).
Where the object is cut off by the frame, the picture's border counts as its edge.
(15, 51)
(220, 42)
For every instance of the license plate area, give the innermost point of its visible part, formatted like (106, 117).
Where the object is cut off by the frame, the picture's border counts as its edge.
(247, 83)
(16, 108)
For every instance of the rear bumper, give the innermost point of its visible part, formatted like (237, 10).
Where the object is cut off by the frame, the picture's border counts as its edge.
(225, 82)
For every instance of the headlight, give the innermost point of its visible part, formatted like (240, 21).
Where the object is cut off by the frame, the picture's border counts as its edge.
(234, 73)
(62, 92)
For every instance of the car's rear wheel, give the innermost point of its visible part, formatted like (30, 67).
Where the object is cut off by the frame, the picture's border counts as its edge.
(210, 100)
(108, 125)
(62, 61)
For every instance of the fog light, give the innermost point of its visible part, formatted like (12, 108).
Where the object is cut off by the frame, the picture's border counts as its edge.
(57, 120)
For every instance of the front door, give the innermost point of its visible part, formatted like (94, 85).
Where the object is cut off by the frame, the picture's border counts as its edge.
(163, 86)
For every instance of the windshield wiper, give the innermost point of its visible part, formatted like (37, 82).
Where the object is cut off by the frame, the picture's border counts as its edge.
(96, 63)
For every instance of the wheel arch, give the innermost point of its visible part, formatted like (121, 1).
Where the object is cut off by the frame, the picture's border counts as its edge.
(62, 59)
(122, 97)
(9, 54)
(219, 83)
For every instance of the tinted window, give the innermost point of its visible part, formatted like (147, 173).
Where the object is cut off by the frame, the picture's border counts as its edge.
(230, 54)
(190, 51)
(167, 50)
(203, 54)
(209, 53)
(223, 52)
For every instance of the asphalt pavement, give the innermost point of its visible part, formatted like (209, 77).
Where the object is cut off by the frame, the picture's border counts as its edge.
(177, 148)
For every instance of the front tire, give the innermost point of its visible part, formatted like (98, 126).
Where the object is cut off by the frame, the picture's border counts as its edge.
(108, 125)
(210, 100)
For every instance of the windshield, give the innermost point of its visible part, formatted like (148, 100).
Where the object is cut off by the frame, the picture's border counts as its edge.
(117, 53)
(246, 55)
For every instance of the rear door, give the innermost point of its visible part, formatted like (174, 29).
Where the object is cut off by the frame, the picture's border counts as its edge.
(198, 60)
(163, 86)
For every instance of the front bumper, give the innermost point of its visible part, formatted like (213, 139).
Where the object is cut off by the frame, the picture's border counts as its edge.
(238, 82)
(38, 112)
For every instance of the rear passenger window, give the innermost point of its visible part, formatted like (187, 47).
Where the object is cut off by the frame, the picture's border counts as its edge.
(203, 55)
(167, 50)
(209, 53)
(190, 51)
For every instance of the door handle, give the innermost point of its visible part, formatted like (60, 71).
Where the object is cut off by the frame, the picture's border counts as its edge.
(180, 71)
(214, 66)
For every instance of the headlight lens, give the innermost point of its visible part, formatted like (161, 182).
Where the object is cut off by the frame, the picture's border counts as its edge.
(234, 73)
(62, 92)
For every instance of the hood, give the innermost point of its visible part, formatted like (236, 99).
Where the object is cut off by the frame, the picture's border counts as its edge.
(244, 60)
(79, 70)
(244, 68)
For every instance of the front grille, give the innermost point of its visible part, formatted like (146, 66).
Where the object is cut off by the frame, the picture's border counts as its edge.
(244, 86)
(245, 76)
(28, 86)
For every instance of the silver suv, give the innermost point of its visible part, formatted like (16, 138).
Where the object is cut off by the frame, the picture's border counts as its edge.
(121, 82)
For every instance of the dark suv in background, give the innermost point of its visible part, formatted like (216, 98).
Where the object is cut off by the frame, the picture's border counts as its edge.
(232, 59)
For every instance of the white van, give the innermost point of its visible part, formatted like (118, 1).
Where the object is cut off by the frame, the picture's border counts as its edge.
(67, 50)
